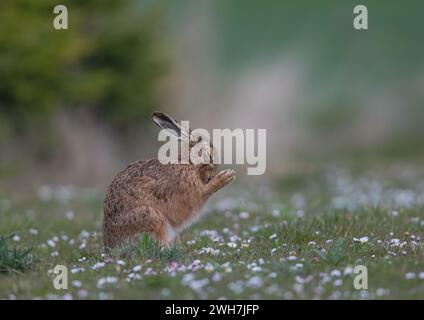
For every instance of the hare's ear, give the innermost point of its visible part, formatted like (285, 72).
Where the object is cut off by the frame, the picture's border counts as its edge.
(166, 122)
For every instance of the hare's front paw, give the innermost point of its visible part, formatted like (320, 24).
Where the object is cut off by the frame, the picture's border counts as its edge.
(219, 181)
(225, 177)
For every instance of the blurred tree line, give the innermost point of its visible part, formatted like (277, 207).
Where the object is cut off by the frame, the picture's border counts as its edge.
(108, 62)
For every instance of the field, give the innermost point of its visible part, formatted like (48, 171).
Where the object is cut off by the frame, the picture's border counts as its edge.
(297, 238)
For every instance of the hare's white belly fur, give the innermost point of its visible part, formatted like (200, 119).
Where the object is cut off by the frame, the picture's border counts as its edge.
(173, 232)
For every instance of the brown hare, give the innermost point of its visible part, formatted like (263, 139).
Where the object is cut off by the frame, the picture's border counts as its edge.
(159, 199)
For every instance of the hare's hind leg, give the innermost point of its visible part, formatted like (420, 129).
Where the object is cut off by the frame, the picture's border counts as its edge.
(147, 219)
(132, 223)
(165, 233)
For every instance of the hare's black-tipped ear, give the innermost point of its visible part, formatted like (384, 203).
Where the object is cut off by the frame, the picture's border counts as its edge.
(166, 122)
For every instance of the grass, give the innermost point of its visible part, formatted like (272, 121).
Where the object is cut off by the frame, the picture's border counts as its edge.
(148, 248)
(272, 243)
(14, 259)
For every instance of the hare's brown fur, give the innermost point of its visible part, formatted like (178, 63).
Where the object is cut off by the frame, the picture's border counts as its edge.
(160, 199)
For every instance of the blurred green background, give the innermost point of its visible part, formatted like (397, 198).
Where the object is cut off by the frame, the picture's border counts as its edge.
(75, 104)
